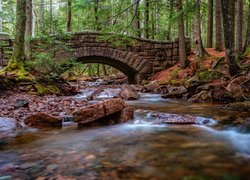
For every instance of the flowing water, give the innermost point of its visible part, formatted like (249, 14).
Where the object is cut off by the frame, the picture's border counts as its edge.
(137, 150)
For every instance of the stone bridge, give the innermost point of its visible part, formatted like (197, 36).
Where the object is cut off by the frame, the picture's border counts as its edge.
(136, 57)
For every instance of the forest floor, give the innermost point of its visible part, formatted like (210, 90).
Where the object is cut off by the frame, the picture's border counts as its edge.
(207, 63)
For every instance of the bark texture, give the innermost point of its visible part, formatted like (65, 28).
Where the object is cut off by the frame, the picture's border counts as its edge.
(169, 18)
(146, 19)
(199, 50)
(239, 26)
(136, 16)
(181, 34)
(1, 20)
(247, 42)
(210, 24)
(228, 12)
(218, 28)
(18, 57)
(69, 15)
(29, 28)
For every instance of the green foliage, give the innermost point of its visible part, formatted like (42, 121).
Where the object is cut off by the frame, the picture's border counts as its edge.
(209, 75)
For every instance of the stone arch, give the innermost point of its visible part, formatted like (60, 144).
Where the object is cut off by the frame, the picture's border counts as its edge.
(129, 71)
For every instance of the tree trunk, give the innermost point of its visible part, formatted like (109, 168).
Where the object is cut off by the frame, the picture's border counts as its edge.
(136, 16)
(239, 26)
(1, 20)
(210, 24)
(29, 28)
(228, 9)
(97, 27)
(247, 42)
(42, 19)
(51, 16)
(170, 18)
(181, 34)
(200, 52)
(18, 57)
(186, 29)
(218, 28)
(146, 20)
(152, 21)
(69, 15)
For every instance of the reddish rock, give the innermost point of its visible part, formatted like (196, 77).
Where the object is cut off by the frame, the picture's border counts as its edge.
(43, 120)
(151, 87)
(127, 114)
(113, 105)
(99, 110)
(129, 93)
(89, 113)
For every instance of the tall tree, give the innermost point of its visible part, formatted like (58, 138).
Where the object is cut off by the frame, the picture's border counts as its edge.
(146, 19)
(18, 57)
(51, 16)
(210, 24)
(171, 11)
(29, 28)
(247, 42)
(199, 50)
(181, 34)
(69, 15)
(136, 18)
(1, 20)
(239, 26)
(228, 14)
(42, 18)
(218, 27)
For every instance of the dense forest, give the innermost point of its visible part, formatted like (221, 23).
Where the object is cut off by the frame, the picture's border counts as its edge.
(124, 89)
(201, 21)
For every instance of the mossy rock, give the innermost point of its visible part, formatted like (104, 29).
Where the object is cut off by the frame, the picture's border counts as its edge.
(45, 89)
(209, 75)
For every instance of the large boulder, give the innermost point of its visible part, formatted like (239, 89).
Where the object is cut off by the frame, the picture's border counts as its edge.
(41, 120)
(96, 111)
(129, 93)
(203, 96)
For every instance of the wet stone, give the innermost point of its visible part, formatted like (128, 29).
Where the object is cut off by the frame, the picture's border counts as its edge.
(21, 103)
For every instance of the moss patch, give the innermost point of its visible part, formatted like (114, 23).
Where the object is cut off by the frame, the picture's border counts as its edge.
(45, 89)
(209, 75)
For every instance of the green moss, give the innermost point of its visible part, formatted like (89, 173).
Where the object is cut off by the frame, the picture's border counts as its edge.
(43, 89)
(209, 75)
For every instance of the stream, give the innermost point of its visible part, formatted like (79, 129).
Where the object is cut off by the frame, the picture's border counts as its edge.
(139, 149)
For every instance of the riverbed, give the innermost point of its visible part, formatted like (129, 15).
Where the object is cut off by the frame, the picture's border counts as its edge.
(139, 149)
